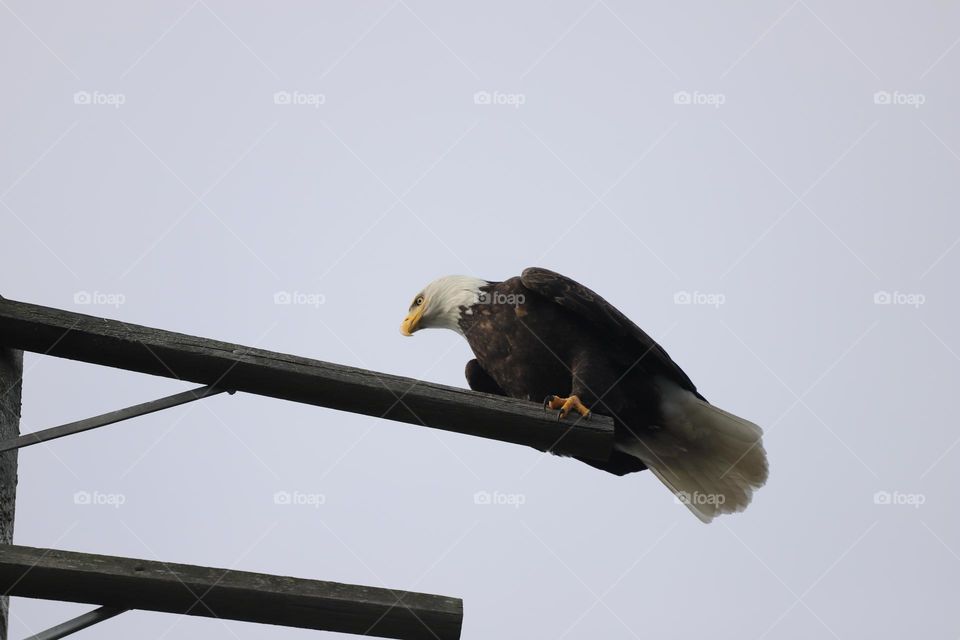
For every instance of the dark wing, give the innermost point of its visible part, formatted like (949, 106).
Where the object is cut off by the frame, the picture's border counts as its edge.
(577, 298)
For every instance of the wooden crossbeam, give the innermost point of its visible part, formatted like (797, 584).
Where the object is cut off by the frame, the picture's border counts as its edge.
(130, 583)
(76, 336)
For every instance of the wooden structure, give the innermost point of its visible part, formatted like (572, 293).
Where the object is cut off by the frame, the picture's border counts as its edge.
(11, 374)
(122, 583)
(128, 583)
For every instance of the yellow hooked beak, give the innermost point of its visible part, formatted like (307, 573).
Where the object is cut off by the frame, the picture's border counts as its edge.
(412, 321)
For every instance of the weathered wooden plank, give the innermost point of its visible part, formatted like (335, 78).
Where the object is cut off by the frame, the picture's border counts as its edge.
(137, 348)
(129, 583)
(11, 374)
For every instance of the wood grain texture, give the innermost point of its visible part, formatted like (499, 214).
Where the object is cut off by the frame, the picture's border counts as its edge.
(130, 583)
(114, 343)
(11, 372)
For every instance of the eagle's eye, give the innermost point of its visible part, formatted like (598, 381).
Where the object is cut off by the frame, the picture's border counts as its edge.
(418, 301)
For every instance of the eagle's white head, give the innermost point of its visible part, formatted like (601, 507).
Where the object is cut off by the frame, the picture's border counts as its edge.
(438, 305)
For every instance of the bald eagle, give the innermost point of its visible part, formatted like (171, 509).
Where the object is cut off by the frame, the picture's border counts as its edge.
(543, 336)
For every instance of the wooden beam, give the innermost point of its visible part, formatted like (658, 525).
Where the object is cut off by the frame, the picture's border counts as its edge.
(11, 375)
(129, 583)
(113, 343)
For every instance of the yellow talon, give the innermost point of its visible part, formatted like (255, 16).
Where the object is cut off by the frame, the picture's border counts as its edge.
(565, 405)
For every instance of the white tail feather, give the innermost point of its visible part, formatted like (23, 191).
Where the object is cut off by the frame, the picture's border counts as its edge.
(710, 459)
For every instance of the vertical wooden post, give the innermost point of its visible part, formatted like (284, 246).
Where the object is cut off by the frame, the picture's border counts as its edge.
(11, 377)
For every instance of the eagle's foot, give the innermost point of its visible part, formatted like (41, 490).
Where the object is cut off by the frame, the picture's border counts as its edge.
(566, 405)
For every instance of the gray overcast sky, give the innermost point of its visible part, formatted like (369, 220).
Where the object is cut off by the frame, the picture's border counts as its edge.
(790, 166)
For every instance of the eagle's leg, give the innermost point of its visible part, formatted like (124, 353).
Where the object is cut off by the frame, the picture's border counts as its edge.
(566, 405)
(584, 366)
(480, 380)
